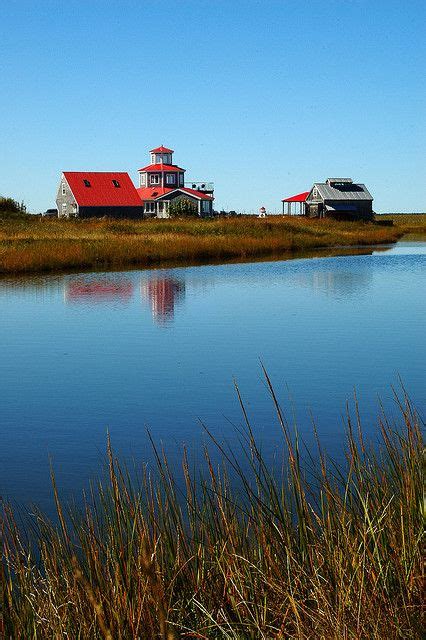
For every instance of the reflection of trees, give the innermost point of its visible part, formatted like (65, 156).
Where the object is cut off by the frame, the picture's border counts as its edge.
(163, 292)
(93, 289)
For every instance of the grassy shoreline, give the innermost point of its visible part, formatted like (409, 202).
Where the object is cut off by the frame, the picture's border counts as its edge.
(35, 245)
(333, 553)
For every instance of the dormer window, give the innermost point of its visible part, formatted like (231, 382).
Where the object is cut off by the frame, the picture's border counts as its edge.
(86, 183)
(171, 178)
(154, 178)
(116, 183)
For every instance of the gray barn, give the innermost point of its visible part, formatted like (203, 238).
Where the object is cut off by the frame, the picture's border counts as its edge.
(339, 198)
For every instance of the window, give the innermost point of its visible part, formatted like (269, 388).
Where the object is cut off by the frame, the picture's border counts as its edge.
(181, 179)
(154, 178)
(206, 206)
(152, 158)
(64, 208)
(171, 178)
(149, 207)
(86, 183)
(116, 183)
(63, 189)
(142, 179)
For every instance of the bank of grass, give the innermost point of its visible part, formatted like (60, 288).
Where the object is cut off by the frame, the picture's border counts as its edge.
(409, 223)
(32, 244)
(334, 553)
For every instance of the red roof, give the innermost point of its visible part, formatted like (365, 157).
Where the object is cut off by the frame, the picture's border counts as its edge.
(154, 193)
(161, 167)
(300, 197)
(100, 190)
(161, 150)
(199, 194)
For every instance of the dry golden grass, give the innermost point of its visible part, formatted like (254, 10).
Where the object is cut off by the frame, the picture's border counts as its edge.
(410, 223)
(31, 244)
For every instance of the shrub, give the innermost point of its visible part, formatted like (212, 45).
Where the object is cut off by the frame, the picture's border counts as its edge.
(183, 209)
(9, 205)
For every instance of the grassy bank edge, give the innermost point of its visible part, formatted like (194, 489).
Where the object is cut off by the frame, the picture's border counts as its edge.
(43, 245)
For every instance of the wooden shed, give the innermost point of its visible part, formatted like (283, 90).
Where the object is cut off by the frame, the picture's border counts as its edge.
(339, 198)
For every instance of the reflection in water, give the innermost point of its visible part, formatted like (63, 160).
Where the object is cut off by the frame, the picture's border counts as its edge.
(93, 289)
(335, 282)
(163, 292)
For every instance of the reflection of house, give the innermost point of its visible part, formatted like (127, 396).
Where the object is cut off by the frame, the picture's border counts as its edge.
(162, 183)
(339, 198)
(87, 194)
(92, 290)
(163, 293)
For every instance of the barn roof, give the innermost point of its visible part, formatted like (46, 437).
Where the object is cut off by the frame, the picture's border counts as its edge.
(161, 167)
(299, 197)
(347, 191)
(97, 189)
(161, 150)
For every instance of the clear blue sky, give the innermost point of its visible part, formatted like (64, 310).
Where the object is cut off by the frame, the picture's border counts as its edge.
(262, 97)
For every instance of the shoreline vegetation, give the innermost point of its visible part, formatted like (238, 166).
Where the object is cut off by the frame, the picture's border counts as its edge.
(31, 244)
(318, 550)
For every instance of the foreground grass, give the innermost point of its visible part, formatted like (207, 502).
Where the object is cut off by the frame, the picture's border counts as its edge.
(29, 244)
(337, 556)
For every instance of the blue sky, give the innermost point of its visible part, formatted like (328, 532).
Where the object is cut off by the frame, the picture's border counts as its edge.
(263, 98)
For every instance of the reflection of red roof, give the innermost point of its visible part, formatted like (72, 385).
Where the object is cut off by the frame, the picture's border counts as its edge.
(101, 190)
(161, 167)
(98, 290)
(300, 197)
(161, 150)
(154, 193)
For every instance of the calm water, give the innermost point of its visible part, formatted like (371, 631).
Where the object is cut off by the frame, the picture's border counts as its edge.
(81, 354)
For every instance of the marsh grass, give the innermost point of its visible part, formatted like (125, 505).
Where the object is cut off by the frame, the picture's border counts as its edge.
(322, 552)
(33, 244)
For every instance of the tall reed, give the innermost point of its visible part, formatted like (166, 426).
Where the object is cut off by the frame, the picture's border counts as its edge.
(318, 550)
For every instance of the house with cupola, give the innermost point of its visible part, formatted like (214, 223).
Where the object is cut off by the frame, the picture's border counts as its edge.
(162, 183)
(86, 194)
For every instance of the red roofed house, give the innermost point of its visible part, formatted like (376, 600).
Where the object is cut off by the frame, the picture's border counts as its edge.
(87, 194)
(162, 183)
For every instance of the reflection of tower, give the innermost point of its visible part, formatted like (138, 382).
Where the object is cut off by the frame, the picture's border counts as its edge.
(163, 293)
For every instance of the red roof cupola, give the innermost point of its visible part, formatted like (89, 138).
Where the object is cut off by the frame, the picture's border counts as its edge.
(161, 149)
(161, 172)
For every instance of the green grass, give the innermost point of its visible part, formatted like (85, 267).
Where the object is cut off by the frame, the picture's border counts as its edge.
(32, 244)
(335, 553)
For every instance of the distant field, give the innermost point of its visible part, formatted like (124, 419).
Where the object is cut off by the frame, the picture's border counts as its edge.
(32, 244)
(409, 222)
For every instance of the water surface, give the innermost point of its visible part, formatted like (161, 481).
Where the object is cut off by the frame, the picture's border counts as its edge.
(81, 354)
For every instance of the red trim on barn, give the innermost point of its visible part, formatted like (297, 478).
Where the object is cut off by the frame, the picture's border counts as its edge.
(300, 197)
(101, 191)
